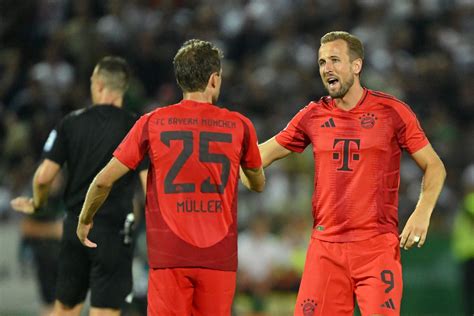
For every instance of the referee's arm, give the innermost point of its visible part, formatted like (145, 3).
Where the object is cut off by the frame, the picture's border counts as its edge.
(42, 181)
(96, 195)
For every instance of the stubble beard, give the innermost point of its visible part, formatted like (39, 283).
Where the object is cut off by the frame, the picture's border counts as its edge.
(343, 90)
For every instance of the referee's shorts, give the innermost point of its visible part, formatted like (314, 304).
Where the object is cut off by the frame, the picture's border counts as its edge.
(106, 270)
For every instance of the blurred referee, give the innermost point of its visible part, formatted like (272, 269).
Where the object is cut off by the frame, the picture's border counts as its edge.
(84, 142)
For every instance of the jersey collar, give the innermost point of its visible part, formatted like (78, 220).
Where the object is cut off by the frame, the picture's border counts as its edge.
(332, 104)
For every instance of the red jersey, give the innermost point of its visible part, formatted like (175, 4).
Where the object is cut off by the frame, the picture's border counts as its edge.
(195, 151)
(357, 162)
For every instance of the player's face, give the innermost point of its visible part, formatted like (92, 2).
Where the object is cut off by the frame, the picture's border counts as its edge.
(335, 68)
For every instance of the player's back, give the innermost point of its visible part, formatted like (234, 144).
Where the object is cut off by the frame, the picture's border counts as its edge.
(85, 142)
(195, 151)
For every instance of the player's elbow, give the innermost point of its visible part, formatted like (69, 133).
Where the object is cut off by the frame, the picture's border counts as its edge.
(255, 179)
(440, 169)
(43, 179)
(258, 185)
(259, 188)
(443, 171)
(102, 182)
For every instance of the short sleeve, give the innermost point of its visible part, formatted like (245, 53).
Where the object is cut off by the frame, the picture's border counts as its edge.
(410, 135)
(293, 137)
(135, 145)
(55, 147)
(251, 154)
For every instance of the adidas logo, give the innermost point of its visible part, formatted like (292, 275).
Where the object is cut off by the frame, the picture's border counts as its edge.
(329, 123)
(388, 304)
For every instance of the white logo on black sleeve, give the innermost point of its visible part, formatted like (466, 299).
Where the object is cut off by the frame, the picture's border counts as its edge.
(50, 141)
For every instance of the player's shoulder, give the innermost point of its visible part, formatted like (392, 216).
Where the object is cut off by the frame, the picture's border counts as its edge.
(157, 112)
(388, 100)
(74, 118)
(222, 112)
(235, 114)
(312, 107)
(76, 114)
(164, 110)
(323, 102)
(127, 113)
(242, 120)
(396, 106)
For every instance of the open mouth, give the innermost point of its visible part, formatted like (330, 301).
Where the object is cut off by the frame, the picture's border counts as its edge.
(332, 81)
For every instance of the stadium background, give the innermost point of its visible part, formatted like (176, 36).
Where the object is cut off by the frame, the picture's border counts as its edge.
(420, 51)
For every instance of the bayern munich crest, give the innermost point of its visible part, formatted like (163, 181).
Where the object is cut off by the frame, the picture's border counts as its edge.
(367, 120)
(309, 307)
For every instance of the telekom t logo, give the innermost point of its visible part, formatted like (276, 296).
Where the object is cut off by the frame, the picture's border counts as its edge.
(346, 150)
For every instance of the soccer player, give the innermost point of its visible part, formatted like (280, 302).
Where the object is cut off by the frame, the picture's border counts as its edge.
(195, 150)
(357, 136)
(84, 142)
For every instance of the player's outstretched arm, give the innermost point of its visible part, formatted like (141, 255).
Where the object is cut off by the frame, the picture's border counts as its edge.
(96, 195)
(42, 181)
(271, 151)
(416, 228)
(253, 179)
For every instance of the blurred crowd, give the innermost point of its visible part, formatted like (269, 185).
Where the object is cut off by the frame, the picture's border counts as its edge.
(421, 51)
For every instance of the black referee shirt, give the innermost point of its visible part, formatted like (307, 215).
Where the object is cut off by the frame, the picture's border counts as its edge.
(83, 142)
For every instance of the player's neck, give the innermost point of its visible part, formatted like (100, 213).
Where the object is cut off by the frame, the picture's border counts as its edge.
(114, 99)
(352, 97)
(203, 97)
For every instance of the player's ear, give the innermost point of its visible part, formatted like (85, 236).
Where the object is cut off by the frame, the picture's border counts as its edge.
(100, 85)
(357, 66)
(213, 80)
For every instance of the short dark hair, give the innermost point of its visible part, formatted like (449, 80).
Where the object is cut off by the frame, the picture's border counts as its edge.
(115, 72)
(194, 63)
(356, 49)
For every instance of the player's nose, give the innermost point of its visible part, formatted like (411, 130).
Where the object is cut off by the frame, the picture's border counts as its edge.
(327, 69)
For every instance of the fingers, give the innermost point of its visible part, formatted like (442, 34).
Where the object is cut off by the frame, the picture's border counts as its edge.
(16, 203)
(22, 204)
(82, 232)
(411, 239)
(408, 239)
(85, 241)
(422, 240)
(403, 239)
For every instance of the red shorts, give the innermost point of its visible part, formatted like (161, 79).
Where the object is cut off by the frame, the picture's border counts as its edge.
(190, 291)
(334, 273)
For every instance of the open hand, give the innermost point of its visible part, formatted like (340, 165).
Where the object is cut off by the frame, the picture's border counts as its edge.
(23, 204)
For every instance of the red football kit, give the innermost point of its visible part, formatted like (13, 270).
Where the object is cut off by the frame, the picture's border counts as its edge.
(357, 174)
(195, 152)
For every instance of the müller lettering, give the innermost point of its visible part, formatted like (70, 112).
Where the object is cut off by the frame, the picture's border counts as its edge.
(194, 206)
